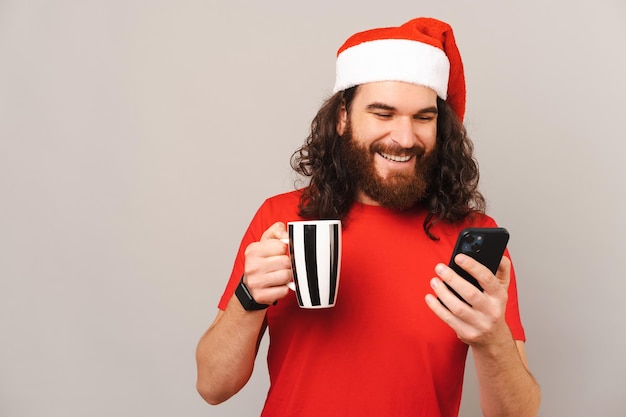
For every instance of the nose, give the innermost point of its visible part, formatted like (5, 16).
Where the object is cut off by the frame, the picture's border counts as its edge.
(403, 133)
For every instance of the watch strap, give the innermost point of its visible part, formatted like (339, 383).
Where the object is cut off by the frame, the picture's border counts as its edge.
(245, 298)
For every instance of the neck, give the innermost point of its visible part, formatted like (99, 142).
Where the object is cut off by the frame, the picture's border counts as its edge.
(363, 198)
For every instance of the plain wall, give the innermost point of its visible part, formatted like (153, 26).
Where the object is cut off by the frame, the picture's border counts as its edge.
(137, 139)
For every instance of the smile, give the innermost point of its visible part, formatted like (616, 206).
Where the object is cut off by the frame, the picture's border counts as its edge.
(395, 158)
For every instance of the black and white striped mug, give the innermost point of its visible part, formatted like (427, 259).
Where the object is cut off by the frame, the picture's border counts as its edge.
(315, 251)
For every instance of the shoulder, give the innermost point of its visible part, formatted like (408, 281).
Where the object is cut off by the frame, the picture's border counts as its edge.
(285, 198)
(478, 219)
(450, 230)
(281, 207)
(284, 201)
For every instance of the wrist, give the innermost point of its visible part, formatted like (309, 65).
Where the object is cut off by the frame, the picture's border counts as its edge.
(496, 347)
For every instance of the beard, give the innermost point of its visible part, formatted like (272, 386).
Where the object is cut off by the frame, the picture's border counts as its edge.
(399, 191)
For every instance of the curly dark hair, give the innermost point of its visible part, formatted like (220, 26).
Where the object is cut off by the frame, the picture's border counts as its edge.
(452, 194)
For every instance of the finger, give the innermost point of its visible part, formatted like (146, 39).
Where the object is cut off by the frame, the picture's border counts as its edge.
(466, 321)
(445, 314)
(467, 331)
(481, 273)
(267, 294)
(451, 301)
(259, 280)
(461, 286)
(275, 231)
(265, 249)
(274, 294)
(267, 264)
(266, 256)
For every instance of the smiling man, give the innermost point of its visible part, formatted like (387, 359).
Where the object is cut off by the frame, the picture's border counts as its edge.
(389, 156)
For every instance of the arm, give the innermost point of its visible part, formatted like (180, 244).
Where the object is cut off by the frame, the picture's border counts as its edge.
(507, 388)
(227, 350)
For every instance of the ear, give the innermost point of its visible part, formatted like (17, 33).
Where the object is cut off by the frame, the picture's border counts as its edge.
(343, 119)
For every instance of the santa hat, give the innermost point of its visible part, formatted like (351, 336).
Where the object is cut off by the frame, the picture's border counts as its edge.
(422, 51)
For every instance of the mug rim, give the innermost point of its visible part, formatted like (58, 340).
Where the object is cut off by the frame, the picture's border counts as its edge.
(325, 221)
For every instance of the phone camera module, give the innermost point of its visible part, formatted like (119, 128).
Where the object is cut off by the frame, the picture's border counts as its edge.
(472, 243)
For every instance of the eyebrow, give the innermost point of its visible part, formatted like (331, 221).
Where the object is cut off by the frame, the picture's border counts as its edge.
(387, 107)
(432, 109)
(380, 106)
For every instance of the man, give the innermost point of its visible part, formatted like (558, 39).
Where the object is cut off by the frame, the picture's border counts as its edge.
(388, 155)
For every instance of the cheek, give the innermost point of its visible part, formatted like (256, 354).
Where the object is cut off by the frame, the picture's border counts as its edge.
(429, 138)
(365, 137)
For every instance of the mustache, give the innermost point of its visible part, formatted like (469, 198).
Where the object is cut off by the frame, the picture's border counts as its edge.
(393, 149)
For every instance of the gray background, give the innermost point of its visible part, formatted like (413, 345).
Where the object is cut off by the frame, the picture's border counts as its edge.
(137, 138)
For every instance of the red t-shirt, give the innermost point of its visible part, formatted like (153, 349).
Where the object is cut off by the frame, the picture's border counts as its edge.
(380, 351)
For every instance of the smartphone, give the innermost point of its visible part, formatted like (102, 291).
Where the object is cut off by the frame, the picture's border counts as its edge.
(486, 245)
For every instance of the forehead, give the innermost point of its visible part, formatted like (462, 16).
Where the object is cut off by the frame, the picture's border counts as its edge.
(397, 94)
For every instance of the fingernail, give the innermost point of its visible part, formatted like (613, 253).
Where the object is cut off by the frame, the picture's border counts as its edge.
(434, 283)
(440, 268)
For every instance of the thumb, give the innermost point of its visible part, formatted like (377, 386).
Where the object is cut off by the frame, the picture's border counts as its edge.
(276, 231)
(503, 274)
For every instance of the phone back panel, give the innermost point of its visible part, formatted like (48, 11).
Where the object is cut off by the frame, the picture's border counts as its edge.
(486, 245)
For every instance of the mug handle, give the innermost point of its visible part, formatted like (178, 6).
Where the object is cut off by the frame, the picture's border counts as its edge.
(291, 285)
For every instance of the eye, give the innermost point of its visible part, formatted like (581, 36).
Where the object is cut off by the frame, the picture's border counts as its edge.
(383, 115)
(425, 117)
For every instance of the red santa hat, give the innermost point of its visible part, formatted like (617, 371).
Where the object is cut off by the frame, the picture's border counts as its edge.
(422, 51)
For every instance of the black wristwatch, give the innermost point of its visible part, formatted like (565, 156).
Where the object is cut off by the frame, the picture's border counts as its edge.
(245, 298)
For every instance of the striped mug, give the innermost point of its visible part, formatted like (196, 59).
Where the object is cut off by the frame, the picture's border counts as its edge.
(315, 252)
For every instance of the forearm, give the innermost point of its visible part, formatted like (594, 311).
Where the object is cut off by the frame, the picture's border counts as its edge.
(226, 352)
(507, 388)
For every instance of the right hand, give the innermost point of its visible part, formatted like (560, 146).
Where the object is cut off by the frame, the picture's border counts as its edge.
(267, 268)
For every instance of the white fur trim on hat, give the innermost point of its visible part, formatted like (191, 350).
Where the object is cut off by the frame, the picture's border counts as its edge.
(393, 60)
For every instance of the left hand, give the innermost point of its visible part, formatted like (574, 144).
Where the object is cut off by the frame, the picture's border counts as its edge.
(482, 322)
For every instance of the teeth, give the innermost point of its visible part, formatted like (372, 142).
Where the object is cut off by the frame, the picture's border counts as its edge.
(395, 158)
